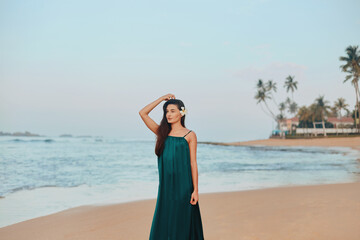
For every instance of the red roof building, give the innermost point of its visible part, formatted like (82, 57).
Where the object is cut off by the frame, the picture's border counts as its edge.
(343, 121)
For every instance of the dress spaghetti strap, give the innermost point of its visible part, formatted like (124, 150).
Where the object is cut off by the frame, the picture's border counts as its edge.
(188, 133)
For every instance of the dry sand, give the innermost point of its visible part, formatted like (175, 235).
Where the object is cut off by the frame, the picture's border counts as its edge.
(316, 212)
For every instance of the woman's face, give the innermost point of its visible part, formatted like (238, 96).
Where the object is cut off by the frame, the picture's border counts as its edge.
(172, 113)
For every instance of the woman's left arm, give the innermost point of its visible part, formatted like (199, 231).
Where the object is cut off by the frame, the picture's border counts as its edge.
(194, 169)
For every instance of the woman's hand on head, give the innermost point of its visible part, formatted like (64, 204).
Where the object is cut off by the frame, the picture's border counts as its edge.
(168, 97)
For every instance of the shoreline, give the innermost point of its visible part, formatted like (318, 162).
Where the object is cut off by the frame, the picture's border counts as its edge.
(317, 211)
(347, 142)
(352, 142)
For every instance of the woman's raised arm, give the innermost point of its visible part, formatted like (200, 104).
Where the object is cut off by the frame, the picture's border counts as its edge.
(144, 113)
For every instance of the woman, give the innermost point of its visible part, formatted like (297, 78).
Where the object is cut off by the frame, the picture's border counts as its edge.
(177, 213)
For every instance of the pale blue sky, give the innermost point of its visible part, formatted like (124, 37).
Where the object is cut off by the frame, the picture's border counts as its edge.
(88, 67)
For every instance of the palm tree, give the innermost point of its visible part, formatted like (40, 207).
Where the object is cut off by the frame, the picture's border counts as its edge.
(322, 108)
(271, 86)
(290, 84)
(341, 105)
(288, 101)
(352, 67)
(279, 119)
(354, 114)
(282, 108)
(313, 115)
(265, 92)
(261, 96)
(260, 84)
(293, 107)
(304, 115)
(333, 112)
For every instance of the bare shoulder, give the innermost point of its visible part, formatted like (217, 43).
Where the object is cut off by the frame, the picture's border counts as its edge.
(192, 136)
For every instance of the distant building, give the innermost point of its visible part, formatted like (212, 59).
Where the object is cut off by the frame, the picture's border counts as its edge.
(345, 125)
(289, 125)
(285, 124)
(340, 122)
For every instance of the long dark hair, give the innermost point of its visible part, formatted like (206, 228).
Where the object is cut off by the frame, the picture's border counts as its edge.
(165, 127)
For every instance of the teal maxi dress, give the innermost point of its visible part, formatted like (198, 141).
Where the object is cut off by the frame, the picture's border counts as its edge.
(175, 218)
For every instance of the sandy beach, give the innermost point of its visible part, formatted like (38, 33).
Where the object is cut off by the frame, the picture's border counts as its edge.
(327, 211)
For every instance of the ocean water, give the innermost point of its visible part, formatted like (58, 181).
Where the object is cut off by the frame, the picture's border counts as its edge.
(43, 175)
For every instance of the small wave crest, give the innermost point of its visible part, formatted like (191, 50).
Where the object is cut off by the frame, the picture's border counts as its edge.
(31, 187)
(48, 140)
